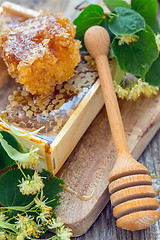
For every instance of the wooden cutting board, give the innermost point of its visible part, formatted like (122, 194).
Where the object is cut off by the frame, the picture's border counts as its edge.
(87, 169)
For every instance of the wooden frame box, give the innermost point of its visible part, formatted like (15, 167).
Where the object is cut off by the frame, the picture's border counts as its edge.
(56, 152)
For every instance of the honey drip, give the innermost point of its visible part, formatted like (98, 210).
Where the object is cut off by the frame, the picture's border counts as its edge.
(61, 174)
(82, 197)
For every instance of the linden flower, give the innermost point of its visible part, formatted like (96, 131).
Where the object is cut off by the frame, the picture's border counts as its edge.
(121, 92)
(2, 235)
(20, 237)
(34, 160)
(26, 226)
(64, 233)
(31, 185)
(44, 217)
(127, 39)
(46, 211)
(150, 91)
(136, 91)
(139, 89)
(2, 217)
(55, 223)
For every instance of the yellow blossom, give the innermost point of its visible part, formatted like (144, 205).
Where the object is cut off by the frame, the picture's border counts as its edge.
(64, 233)
(2, 235)
(140, 88)
(34, 160)
(2, 217)
(127, 39)
(26, 227)
(31, 185)
(46, 211)
(20, 237)
(55, 223)
(121, 92)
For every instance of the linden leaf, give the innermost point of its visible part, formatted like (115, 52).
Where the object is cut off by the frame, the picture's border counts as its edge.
(136, 58)
(6, 161)
(148, 10)
(112, 4)
(53, 186)
(13, 153)
(90, 16)
(11, 195)
(152, 76)
(126, 22)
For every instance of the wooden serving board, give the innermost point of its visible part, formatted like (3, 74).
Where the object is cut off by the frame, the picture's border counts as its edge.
(88, 167)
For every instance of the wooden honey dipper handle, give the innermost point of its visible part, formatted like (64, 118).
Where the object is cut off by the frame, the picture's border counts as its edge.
(97, 42)
(131, 189)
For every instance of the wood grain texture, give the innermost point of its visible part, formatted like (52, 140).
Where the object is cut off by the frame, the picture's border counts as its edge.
(90, 163)
(93, 147)
(104, 227)
(97, 42)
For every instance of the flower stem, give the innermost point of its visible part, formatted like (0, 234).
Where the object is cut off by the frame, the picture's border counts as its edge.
(21, 170)
(19, 208)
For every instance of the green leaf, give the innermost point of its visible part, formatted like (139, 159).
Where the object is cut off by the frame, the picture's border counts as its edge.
(20, 134)
(90, 16)
(45, 174)
(152, 76)
(53, 186)
(148, 9)
(112, 4)
(127, 22)
(137, 57)
(11, 195)
(5, 160)
(13, 153)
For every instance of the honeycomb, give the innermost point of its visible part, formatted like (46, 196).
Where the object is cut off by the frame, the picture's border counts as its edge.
(41, 52)
(9, 19)
(32, 112)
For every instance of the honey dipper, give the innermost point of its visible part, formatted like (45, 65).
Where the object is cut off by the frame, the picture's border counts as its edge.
(132, 193)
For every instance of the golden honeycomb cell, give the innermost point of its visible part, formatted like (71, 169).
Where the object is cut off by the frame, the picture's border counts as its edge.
(9, 19)
(41, 52)
(32, 112)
